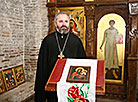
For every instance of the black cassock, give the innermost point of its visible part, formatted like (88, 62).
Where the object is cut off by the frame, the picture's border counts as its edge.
(48, 56)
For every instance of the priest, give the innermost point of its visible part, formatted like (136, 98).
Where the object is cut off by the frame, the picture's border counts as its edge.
(59, 44)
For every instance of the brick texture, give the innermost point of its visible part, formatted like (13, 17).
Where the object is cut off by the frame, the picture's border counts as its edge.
(11, 33)
(23, 25)
(35, 29)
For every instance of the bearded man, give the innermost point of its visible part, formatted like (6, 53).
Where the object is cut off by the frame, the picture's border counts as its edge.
(56, 45)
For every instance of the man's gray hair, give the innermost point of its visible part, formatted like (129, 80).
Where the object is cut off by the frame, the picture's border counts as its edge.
(59, 14)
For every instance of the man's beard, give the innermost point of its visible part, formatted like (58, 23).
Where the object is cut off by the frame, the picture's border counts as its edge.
(62, 31)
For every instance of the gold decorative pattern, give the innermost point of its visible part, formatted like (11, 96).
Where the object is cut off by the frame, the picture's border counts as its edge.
(19, 74)
(9, 79)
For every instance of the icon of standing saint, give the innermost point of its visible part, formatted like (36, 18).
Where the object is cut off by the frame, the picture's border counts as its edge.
(111, 39)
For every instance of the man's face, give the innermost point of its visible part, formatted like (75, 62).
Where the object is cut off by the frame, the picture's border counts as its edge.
(62, 23)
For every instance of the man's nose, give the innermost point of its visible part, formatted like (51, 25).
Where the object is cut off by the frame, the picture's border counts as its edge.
(64, 23)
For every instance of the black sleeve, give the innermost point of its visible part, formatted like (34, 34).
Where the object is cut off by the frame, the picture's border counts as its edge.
(81, 52)
(41, 73)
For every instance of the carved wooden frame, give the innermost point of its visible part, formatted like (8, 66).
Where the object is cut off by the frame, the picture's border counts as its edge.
(19, 74)
(9, 78)
(93, 12)
(73, 69)
(2, 85)
(121, 10)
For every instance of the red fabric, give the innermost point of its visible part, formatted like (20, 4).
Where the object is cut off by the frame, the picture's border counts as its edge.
(58, 70)
(100, 73)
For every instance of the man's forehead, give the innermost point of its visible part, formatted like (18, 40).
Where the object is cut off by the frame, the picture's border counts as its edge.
(62, 16)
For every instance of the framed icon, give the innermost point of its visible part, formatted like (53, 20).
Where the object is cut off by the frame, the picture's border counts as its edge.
(19, 74)
(2, 85)
(111, 47)
(79, 74)
(9, 78)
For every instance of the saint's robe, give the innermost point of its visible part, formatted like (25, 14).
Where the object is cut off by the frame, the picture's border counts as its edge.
(48, 56)
(110, 53)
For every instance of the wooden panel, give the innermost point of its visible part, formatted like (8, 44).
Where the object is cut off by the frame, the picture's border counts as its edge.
(51, 14)
(75, 0)
(90, 38)
(133, 54)
(62, 1)
(115, 89)
(115, 92)
(69, 1)
(109, 2)
(133, 0)
(112, 0)
(132, 79)
(133, 36)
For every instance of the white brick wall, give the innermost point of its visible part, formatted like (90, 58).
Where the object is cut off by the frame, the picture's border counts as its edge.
(11, 33)
(23, 25)
(35, 28)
